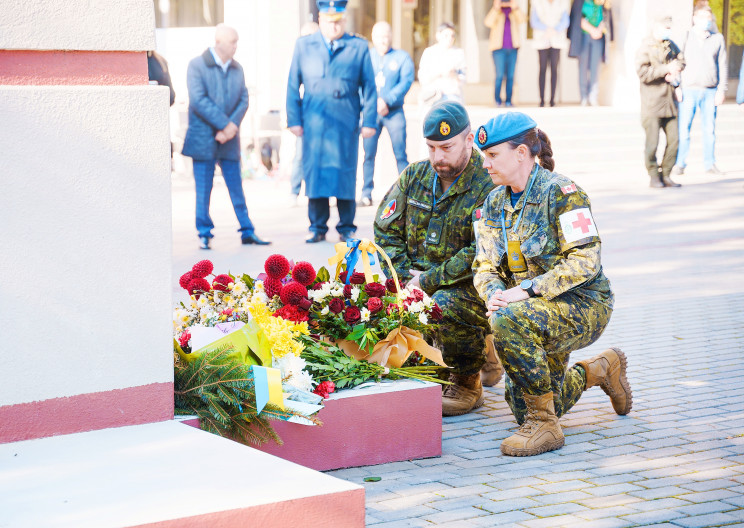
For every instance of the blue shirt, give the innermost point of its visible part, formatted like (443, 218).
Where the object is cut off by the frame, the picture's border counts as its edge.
(393, 76)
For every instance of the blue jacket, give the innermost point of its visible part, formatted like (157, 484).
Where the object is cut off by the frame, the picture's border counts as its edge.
(329, 110)
(396, 68)
(215, 99)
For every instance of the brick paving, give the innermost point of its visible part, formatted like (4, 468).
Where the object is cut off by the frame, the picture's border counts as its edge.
(675, 258)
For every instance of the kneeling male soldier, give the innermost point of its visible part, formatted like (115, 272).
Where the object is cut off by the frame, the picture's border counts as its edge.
(425, 225)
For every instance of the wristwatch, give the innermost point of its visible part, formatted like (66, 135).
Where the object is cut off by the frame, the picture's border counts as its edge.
(527, 285)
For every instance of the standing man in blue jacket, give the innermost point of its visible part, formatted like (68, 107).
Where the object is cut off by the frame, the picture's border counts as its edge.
(218, 101)
(393, 77)
(334, 68)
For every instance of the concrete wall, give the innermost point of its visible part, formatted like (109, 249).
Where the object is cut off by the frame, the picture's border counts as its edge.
(85, 298)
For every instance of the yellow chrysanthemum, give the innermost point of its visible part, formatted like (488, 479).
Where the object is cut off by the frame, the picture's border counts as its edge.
(280, 332)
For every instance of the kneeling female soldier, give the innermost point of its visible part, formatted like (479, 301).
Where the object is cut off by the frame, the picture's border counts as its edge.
(538, 270)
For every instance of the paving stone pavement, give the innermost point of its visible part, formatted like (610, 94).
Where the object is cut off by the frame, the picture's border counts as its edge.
(675, 258)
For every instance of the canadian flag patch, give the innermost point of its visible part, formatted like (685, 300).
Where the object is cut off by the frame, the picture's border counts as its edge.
(568, 189)
(577, 224)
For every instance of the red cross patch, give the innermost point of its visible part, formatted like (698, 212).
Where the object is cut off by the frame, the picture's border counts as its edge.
(577, 224)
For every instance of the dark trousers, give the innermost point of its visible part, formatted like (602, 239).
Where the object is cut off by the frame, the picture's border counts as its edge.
(548, 56)
(652, 126)
(319, 211)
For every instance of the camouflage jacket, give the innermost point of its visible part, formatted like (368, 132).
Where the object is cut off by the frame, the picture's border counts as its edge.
(403, 218)
(557, 235)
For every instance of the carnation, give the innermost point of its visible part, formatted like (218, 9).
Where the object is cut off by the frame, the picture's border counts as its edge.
(202, 268)
(304, 273)
(221, 282)
(357, 278)
(336, 305)
(292, 293)
(325, 389)
(352, 315)
(184, 339)
(292, 313)
(301, 380)
(374, 289)
(374, 304)
(272, 286)
(276, 266)
(198, 285)
(185, 279)
(418, 295)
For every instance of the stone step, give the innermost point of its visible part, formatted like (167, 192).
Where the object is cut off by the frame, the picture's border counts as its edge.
(168, 475)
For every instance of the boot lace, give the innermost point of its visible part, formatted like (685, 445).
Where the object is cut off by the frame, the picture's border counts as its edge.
(530, 423)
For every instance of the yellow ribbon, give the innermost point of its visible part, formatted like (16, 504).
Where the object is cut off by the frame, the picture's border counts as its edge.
(368, 249)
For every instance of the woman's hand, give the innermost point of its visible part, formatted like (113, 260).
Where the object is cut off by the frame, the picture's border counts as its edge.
(502, 298)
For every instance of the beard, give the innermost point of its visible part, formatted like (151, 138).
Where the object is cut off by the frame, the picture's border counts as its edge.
(447, 171)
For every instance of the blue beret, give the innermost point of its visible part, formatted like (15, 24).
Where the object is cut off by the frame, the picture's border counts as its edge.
(502, 128)
(331, 7)
(445, 120)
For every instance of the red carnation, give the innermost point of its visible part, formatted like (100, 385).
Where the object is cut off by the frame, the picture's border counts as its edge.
(357, 278)
(336, 305)
(184, 339)
(374, 289)
(276, 266)
(198, 285)
(201, 269)
(392, 308)
(304, 273)
(228, 312)
(272, 286)
(391, 286)
(220, 282)
(418, 295)
(352, 315)
(318, 285)
(374, 304)
(436, 312)
(347, 291)
(342, 276)
(292, 293)
(325, 389)
(185, 279)
(292, 313)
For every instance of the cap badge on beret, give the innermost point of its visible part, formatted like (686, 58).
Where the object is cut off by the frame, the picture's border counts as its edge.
(482, 135)
(444, 128)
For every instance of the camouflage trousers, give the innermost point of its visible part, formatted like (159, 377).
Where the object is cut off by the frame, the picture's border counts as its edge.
(462, 333)
(534, 339)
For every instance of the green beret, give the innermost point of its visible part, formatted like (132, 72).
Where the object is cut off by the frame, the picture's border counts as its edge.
(502, 128)
(445, 120)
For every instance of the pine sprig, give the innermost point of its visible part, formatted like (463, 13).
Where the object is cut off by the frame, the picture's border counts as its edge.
(221, 392)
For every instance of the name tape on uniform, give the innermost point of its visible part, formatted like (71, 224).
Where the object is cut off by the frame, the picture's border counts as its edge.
(577, 224)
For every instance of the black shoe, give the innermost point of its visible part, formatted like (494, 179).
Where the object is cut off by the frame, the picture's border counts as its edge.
(317, 237)
(542, 104)
(714, 171)
(253, 239)
(668, 182)
(204, 242)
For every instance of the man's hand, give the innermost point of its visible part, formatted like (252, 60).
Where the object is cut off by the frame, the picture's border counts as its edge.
(720, 96)
(230, 130)
(415, 280)
(382, 107)
(296, 130)
(368, 132)
(221, 137)
(502, 298)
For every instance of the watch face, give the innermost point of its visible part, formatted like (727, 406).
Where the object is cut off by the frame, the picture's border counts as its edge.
(527, 283)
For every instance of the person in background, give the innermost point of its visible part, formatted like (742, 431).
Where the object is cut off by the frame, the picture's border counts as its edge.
(538, 270)
(218, 101)
(296, 175)
(505, 19)
(442, 69)
(157, 70)
(393, 76)
(591, 22)
(335, 72)
(704, 83)
(658, 65)
(549, 20)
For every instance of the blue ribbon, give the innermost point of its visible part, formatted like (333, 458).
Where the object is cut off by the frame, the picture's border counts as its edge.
(352, 256)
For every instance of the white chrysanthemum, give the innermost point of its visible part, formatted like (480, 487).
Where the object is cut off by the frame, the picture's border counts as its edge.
(217, 296)
(202, 302)
(238, 287)
(289, 364)
(337, 291)
(365, 315)
(428, 301)
(416, 307)
(301, 380)
(258, 286)
(324, 311)
(260, 296)
(355, 293)
(231, 302)
(423, 318)
(194, 303)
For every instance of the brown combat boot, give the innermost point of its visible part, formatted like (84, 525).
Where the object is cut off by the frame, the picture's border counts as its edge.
(464, 395)
(540, 431)
(492, 371)
(608, 371)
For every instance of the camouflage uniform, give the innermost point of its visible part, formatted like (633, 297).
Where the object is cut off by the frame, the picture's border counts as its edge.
(561, 247)
(401, 230)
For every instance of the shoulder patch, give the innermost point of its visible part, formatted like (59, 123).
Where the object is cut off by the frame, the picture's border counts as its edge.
(389, 209)
(577, 224)
(568, 189)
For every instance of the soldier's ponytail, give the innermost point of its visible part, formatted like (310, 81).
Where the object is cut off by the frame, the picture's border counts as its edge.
(539, 144)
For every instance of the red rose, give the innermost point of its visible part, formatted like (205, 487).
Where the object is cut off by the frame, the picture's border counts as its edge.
(374, 289)
(391, 286)
(325, 389)
(392, 308)
(352, 315)
(374, 304)
(418, 295)
(336, 305)
(342, 276)
(318, 285)
(357, 278)
(436, 312)
(347, 291)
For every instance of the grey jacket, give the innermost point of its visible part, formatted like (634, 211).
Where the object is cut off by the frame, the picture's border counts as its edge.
(707, 66)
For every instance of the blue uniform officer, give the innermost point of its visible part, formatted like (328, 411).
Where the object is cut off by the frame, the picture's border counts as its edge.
(336, 73)
(393, 75)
